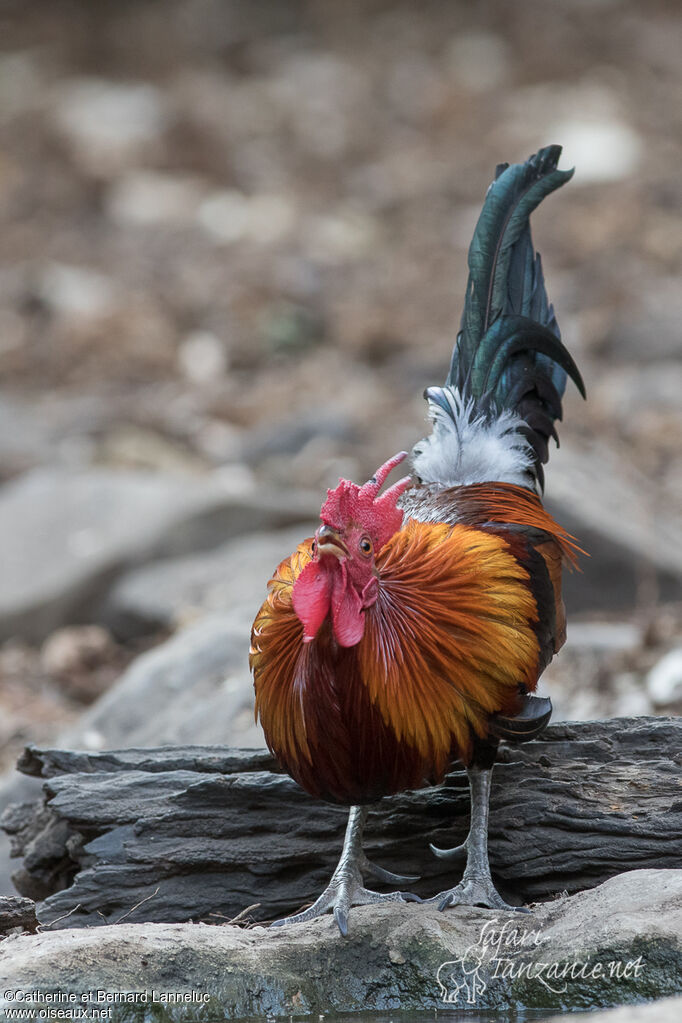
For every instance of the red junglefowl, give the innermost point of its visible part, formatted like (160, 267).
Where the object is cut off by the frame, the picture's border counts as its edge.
(410, 631)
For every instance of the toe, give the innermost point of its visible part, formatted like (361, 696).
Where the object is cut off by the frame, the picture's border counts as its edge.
(474, 893)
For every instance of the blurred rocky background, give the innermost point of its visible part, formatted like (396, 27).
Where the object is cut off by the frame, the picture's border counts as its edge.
(232, 254)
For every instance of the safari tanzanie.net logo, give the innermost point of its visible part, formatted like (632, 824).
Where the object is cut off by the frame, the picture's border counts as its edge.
(504, 951)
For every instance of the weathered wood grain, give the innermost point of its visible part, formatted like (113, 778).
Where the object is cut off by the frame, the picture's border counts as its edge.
(199, 831)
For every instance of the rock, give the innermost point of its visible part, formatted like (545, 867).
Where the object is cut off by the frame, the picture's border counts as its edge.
(64, 536)
(202, 357)
(231, 579)
(339, 238)
(651, 332)
(218, 441)
(480, 61)
(77, 293)
(587, 117)
(320, 94)
(196, 687)
(231, 216)
(22, 83)
(644, 399)
(129, 446)
(664, 681)
(610, 508)
(83, 658)
(621, 942)
(287, 437)
(147, 198)
(75, 648)
(109, 123)
(13, 331)
(604, 149)
(25, 440)
(17, 912)
(288, 327)
(604, 636)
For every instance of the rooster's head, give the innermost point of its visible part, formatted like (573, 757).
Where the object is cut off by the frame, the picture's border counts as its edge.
(341, 579)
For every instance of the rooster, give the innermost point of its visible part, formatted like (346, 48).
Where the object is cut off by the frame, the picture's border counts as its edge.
(411, 630)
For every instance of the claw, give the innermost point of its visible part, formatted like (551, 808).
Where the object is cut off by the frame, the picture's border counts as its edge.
(342, 921)
(459, 852)
(387, 875)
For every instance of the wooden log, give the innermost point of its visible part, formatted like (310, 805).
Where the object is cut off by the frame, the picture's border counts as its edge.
(200, 833)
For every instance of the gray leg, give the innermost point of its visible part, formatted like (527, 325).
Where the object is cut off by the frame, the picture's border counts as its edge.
(476, 887)
(346, 888)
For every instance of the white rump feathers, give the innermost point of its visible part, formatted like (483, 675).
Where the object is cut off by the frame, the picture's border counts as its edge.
(465, 447)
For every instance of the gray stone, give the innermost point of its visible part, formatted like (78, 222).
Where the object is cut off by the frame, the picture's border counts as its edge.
(143, 198)
(642, 396)
(77, 293)
(25, 440)
(196, 687)
(631, 541)
(202, 358)
(65, 536)
(651, 329)
(109, 123)
(289, 436)
(664, 681)
(604, 636)
(232, 578)
(231, 216)
(17, 912)
(624, 937)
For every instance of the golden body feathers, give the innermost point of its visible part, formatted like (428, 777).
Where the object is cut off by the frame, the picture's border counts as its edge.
(453, 634)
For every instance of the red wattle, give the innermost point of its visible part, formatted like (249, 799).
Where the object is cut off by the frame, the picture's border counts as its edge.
(347, 615)
(311, 597)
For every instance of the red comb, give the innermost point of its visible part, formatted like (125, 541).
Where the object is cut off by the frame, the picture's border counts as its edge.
(380, 516)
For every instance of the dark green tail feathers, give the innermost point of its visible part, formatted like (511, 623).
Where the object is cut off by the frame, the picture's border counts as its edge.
(509, 355)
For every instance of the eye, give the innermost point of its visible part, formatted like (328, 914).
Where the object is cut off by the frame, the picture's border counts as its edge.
(365, 545)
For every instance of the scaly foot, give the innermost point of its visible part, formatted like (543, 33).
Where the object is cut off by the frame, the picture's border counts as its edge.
(476, 887)
(340, 897)
(346, 887)
(475, 890)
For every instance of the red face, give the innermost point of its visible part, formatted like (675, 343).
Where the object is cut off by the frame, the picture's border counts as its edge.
(341, 580)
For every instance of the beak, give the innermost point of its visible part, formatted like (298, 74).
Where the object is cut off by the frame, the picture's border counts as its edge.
(329, 542)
